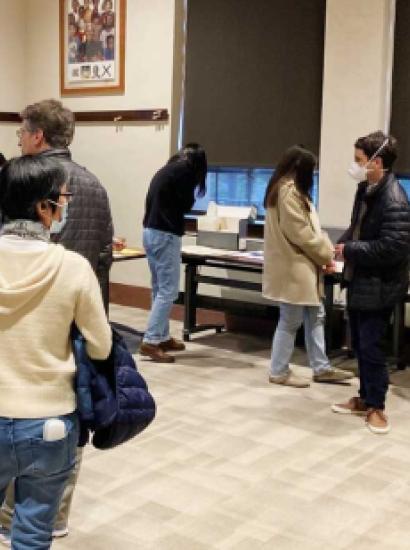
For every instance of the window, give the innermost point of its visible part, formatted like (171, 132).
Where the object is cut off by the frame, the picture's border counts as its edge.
(240, 187)
(404, 179)
(252, 88)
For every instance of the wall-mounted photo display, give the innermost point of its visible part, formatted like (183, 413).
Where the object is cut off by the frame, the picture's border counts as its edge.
(92, 46)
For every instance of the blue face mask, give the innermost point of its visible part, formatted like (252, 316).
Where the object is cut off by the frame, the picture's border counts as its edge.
(57, 226)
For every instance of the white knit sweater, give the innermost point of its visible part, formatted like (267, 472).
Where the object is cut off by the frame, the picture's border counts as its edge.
(43, 289)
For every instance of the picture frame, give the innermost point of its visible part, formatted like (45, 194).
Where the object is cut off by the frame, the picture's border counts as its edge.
(92, 47)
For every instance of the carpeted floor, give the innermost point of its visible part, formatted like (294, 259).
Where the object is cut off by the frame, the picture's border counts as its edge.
(235, 463)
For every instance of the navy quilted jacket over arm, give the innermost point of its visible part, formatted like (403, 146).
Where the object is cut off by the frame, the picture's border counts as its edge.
(113, 400)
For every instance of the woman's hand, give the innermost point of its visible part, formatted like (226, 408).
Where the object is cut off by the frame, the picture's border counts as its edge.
(339, 252)
(329, 268)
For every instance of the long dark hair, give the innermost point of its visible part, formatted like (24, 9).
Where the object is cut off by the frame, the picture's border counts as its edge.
(195, 155)
(297, 163)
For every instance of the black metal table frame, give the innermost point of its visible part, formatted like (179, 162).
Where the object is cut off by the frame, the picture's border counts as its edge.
(192, 279)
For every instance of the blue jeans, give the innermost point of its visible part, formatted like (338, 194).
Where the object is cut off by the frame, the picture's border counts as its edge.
(164, 259)
(368, 329)
(40, 470)
(291, 317)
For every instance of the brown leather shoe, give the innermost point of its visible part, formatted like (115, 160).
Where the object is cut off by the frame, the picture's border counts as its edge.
(355, 405)
(377, 421)
(156, 353)
(172, 345)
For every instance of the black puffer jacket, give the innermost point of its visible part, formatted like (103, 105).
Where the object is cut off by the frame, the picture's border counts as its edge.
(89, 228)
(380, 257)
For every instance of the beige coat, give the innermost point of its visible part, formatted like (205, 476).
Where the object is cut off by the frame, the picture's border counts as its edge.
(295, 250)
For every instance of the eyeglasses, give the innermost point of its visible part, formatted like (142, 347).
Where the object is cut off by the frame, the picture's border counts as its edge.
(68, 196)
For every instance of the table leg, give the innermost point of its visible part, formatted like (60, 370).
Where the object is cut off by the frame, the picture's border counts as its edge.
(190, 300)
(329, 297)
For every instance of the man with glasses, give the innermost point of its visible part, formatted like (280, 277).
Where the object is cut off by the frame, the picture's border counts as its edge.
(48, 129)
(86, 227)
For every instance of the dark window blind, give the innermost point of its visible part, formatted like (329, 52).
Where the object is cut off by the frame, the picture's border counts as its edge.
(253, 78)
(400, 115)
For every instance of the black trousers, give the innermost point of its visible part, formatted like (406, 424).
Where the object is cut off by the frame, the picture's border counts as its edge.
(368, 329)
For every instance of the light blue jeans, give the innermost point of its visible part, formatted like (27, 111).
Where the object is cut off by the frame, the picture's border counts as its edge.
(40, 469)
(291, 317)
(164, 259)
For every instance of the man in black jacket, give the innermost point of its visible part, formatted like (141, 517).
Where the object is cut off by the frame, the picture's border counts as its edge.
(47, 129)
(375, 249)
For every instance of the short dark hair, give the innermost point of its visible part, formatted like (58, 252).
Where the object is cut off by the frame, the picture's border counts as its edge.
(55, 120)
(3, 160)
(297, 163)
(27, 180)
(372, 142)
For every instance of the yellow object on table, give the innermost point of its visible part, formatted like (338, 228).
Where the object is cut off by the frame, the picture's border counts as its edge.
(131, 251)
(128, 253)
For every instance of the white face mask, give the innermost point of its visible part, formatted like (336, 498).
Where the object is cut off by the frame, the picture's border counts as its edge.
(359, 173)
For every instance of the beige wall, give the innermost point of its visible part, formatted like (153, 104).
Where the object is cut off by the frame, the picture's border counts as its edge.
(12, 52)
(357, 50)
(178, 76)
(126, 159)
(355, 94)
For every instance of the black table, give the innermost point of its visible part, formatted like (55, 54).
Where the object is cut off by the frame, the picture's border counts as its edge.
(235, 263)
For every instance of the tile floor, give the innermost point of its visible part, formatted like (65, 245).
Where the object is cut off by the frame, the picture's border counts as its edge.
(234, 463)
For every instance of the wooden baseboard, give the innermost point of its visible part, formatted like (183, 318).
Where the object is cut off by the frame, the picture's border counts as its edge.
(140, 297)
(131, 296)
(242, 318)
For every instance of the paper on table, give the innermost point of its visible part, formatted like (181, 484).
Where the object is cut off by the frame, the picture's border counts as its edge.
(216, 252)
(203, 250)
(253, 254)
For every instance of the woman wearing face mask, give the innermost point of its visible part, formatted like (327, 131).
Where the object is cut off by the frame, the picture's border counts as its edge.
(296, 250)
(44, 288)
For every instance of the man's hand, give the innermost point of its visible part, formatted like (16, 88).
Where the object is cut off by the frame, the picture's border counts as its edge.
(339, 252)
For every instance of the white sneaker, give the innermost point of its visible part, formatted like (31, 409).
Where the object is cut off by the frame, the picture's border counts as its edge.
(59, 533)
